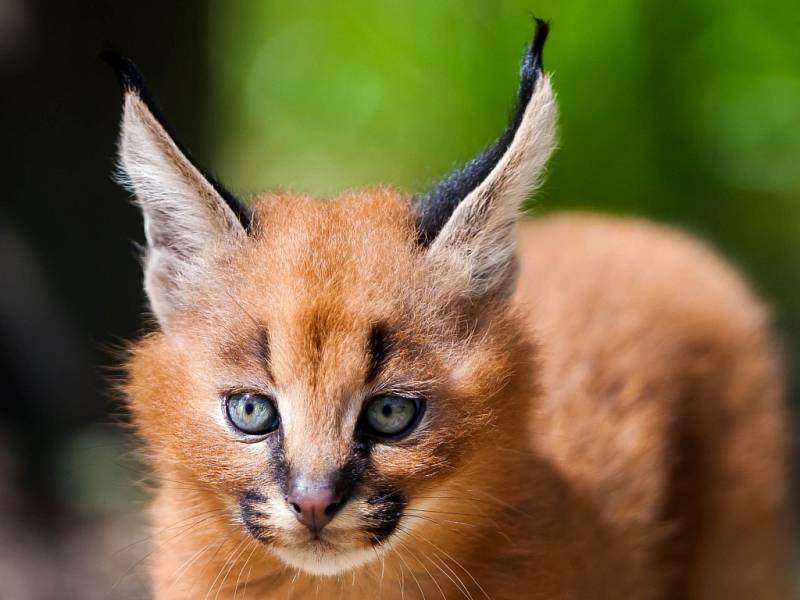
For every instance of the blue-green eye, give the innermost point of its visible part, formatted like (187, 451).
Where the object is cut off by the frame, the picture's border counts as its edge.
(390, 416)
(254, 414)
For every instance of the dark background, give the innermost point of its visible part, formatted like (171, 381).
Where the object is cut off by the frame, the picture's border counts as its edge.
(685, 111)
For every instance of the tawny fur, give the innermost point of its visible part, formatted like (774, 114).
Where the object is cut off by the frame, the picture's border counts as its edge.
(610, 428)
(617, 431)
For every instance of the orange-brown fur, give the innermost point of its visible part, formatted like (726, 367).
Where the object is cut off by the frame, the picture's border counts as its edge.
(615, 431)
(610, 428)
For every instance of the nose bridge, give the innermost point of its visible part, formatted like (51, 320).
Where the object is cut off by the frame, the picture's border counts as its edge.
(316, 446)
(325, 365)
(316, 449)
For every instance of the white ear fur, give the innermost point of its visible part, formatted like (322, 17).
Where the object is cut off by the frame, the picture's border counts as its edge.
(184, 214)
(478, 243)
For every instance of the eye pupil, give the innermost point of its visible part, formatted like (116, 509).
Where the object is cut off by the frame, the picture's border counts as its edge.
(387, 410)
(249, 408)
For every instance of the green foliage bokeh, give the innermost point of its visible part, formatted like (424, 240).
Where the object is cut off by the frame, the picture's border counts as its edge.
(685, 111)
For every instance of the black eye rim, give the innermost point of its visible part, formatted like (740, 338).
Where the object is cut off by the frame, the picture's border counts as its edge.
(420, 406)
(246, 435)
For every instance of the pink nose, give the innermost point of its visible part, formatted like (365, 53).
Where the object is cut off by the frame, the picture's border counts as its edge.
(314, 506)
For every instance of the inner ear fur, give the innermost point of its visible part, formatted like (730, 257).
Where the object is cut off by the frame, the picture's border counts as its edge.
(186, 212)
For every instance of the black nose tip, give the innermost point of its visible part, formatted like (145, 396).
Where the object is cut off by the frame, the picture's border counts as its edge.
(314, 506)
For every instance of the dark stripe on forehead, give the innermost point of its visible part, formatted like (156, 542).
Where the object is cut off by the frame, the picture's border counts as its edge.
(249, 349)
(380, 345)
(262, 349)
(318, 326)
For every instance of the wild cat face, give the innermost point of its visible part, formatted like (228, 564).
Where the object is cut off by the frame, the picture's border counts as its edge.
(316, 389)
(322, 368)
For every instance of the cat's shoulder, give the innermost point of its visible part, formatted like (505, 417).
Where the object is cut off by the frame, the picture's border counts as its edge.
(590, 267)
(644, 333)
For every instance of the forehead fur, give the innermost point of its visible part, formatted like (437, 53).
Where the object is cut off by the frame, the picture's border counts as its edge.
(327, 248)
(295, 306)
(330, 258)
(316, 272)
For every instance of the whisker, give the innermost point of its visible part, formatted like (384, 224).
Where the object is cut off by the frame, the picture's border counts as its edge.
(185, 529)
(178, 575)
(149, 537)
(424, 566)
(445, 512)
(413, 575)
(254, 543)
(459, 565)
(501, 502)
(233, 560)
(222, 568)
(435, 522)
(462, 586)
(208, 564)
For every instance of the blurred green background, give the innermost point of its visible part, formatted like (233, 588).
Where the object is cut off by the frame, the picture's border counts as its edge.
(687, 112)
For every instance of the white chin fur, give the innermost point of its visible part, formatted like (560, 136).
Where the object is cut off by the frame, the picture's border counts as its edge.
(324, 560)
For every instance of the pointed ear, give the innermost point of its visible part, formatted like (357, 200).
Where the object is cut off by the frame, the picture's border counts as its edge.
(186, 213)
(467, 221)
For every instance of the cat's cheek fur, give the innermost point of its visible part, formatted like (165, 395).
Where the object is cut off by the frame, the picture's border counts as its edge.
(181, 417)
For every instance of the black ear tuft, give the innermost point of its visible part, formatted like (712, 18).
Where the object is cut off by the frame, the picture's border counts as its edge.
(132, 81)
(128, 74)
(435, 206)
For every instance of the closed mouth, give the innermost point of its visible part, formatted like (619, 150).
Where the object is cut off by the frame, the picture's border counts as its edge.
(317, 544)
